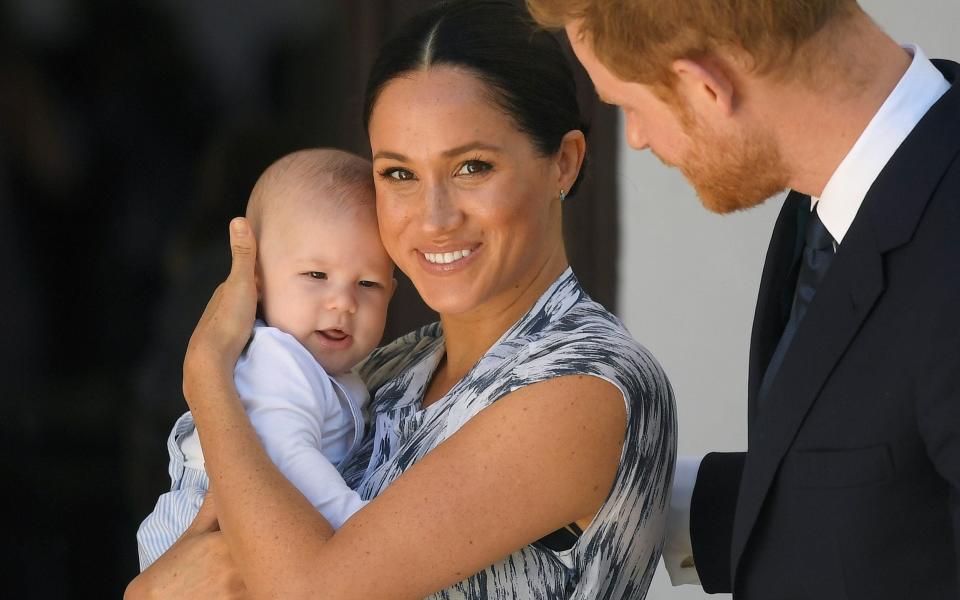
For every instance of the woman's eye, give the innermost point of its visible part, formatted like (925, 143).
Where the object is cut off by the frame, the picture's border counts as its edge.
(317, 274)
(397, 174)
(369, 284)
(474, 167)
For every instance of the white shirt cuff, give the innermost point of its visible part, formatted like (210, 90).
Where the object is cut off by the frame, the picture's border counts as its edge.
(678, 549)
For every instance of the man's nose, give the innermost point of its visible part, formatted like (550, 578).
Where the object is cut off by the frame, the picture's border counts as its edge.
(636, 137)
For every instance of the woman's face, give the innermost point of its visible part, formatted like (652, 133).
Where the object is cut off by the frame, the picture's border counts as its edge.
(467, 206)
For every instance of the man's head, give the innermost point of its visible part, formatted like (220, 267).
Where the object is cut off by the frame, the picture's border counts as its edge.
(322, 272)
(688, 76)
(640, 39)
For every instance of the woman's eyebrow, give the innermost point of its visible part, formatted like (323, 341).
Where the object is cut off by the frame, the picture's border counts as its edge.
(447, 153)
(471, 146)
(390, 155)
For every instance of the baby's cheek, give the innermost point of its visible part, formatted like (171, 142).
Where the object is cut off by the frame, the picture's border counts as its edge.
(372, 332)
(382, 323)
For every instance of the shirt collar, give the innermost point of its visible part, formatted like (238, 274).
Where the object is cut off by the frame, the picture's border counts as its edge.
(919, 89)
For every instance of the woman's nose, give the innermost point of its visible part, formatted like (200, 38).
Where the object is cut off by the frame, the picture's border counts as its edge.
(441, 213)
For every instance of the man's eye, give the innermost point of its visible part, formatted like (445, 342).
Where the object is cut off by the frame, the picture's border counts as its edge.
(474, 167)
(317, 274)
(369, 284)
(397, 174)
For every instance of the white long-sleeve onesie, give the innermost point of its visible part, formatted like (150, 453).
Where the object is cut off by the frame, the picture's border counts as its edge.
(307, 421)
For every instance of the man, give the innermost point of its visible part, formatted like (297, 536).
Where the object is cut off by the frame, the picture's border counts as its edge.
(850, 487)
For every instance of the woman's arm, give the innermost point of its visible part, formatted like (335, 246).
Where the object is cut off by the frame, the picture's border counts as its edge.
(537, 459)
(534, 461)
(544, 456)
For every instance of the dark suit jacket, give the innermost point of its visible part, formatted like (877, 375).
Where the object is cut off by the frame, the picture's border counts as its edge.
(850, 488)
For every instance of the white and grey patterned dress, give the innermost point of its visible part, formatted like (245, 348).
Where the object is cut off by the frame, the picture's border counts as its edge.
(564, 333)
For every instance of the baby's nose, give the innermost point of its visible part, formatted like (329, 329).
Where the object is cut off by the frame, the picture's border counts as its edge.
(342, 299)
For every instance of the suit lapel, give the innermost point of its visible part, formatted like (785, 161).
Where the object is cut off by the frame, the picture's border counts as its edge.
(776, 289)
(843, 300)
(887, 219)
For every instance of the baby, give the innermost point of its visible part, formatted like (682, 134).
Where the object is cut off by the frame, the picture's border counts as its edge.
(324, 281)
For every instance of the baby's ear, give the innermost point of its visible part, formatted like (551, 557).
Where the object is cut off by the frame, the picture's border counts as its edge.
(393, 286)
(257, 280)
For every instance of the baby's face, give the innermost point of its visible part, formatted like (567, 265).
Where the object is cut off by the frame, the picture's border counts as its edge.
(325, 278)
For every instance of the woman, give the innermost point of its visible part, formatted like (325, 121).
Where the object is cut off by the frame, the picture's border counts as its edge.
(521, 448)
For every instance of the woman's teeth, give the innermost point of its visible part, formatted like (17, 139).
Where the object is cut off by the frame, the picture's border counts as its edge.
(443, 258)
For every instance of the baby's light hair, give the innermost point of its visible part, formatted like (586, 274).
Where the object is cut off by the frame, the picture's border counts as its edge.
(337, 180)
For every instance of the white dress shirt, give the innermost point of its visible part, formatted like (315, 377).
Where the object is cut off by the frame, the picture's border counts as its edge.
(918, 90)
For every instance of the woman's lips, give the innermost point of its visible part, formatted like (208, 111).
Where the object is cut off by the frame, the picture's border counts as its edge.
(441, 258)
(447, 260)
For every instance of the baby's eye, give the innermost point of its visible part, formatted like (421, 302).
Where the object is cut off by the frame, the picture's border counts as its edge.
(317, 274)
(397, 173)
(474, 167)
(369, 284)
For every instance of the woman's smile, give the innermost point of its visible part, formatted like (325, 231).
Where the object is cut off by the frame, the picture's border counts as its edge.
(447, 257)
(447, 260)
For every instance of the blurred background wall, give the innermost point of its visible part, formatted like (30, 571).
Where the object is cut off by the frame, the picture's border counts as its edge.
(131, 131)
(688, 279)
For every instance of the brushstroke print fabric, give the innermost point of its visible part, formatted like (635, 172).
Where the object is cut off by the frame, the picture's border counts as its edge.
(564, 333)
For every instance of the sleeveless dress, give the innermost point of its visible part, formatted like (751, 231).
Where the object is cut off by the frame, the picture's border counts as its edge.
(564, 333)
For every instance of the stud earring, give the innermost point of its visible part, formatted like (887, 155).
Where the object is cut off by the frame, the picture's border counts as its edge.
(563, 195)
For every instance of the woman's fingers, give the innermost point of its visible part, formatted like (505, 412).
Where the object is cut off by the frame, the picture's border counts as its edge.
(197, 566)
(206, 519)
(243, 248)
(237, 296)
(226, 323)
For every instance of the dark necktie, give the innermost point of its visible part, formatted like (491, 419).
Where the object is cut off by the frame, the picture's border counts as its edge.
(814, 261)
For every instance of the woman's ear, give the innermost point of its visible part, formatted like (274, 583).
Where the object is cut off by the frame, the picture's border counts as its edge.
(573, 149)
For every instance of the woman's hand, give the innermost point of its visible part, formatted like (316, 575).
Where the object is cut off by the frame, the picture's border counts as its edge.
(197, 566)
(227, 321)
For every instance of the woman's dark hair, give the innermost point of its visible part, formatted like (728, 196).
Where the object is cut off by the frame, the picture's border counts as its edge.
(498, 41)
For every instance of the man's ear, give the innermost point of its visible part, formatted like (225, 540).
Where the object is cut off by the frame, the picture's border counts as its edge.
(705, 85)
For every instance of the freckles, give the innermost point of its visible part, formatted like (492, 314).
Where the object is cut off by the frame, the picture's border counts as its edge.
(391, 213)
(402, 220)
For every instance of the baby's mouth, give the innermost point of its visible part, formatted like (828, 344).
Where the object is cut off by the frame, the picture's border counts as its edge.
(334, 335)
